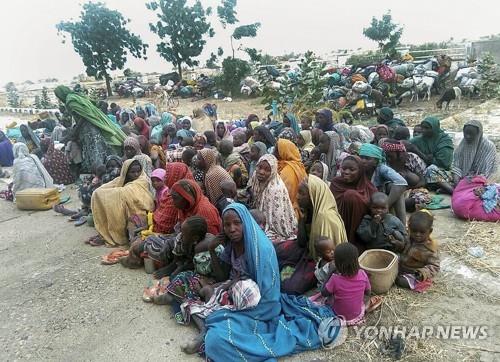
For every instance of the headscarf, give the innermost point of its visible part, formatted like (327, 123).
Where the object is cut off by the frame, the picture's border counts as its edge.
(344, 132)
(142, 126)
(83, 107)
(385, 114)
(214, 174)
(324, 166)
(156, 132)
(333, 154)
(291, 169)
(114, 202)
(198, 204)
(369, 150)
(269, 140)
(329, 118)
(375, 129)
(326, 220)
(165, 215)
(200, 138)
(352, 207)
(293, 122)
(262, 151)
(281, 324)
(144, 160)
(476, 158)
(440, 145)
(201, 122)
(361, 134)
(273, 200)
(56, 163)
(6, 153)
(28, 170)
(182, 133)
(161, 155)
(227, 134)
(160, 174)
(33, 137)
(144, 143)
(393, 147)
(308, 144)
(288, 134)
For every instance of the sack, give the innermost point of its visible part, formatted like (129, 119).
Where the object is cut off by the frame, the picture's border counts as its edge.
(332, 332)
(358, 78)
(386, 73)
(359, 87)
(37, 199)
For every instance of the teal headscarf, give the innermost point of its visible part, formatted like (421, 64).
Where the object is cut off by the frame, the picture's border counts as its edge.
(369, 150)
(293, 122)
(156, 132)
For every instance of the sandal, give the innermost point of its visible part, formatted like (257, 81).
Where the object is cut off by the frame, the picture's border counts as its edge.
(62, 210)
(81, 221)
(97, 242)
(374, 303)
(91, 238)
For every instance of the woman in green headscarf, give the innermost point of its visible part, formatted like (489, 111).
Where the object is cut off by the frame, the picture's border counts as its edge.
(435, 147)
(157, 131)
(97, 135)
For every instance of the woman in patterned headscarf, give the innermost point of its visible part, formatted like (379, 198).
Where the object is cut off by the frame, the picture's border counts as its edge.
(56, 163)
(214, 173)
(270, 196)
(132, 149)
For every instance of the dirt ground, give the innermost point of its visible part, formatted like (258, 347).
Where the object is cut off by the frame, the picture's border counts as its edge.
(58, 303)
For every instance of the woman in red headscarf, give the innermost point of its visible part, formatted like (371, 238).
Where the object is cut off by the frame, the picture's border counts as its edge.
(165, 216)
(352, 191)
(188, 198)
(142, 127)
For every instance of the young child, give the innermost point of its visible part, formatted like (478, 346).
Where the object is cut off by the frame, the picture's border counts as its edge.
(325, 267)
(379, 229)
(419, 258)
(417, 130)
(259, 218)
(349, 291)
(229, 193)
(314, 156)
(158, 181)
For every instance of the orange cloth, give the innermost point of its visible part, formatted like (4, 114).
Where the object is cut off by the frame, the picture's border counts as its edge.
(291, 169)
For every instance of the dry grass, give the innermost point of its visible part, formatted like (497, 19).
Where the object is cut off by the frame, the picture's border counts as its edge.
(481, 234)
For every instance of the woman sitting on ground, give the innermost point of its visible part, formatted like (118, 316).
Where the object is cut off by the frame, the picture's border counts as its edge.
(475, 155)
(320, 217)
(257, 150)
(165, 216)
(352, 191)
(233, 163)
(329, 145)
(132, 150)
(270, 195)
(141, 127)
(214, 174)
(56, 163)
(222, 132)
(6, 153)
(265, 136)
(249, 265)
(290, 168)
(407, 164)
(320, 169)
(384, 178)
(28, 171)
(304, 141)
(29, 138)
(380, 132)
(128, 195)
(435, 148)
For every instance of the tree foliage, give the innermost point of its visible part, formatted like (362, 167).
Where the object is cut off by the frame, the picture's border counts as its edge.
(45, 101)
(385, 33)
(13, 99)
(233, 71)
(182, 29)
(365, 58)
(257, 57)
(102, 40)
(490, 77)
(37, 103)
(300, 90)
(227, 16)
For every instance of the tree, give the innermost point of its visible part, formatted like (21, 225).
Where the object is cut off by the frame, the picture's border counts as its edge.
(45, 99)
(490, 76)
(13, 98)
(385, 33)
(227, 16)
(38, 103)
(233, 71)
(102, 40)
(182, 29)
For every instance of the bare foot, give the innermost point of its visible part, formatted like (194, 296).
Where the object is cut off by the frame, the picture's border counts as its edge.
(194, 345)
(163, 299)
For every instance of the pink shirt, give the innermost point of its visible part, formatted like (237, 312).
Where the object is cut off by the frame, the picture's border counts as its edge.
(348, 293)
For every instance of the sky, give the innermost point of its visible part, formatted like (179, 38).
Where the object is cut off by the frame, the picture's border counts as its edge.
(32, 49)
